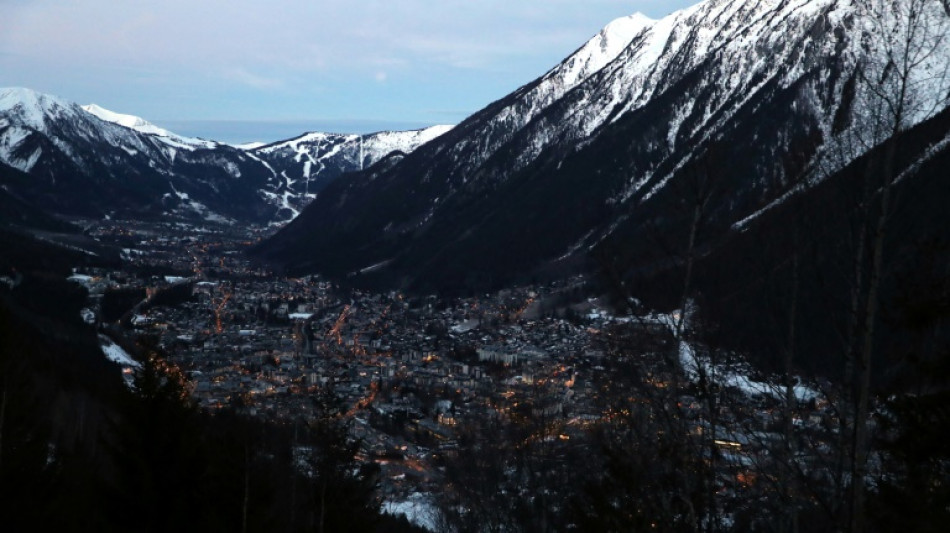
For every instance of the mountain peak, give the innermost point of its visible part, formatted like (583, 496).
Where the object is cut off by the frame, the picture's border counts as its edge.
(30, 106)
(601, 49)
(618, 34)
(11, 96)
(627, 27)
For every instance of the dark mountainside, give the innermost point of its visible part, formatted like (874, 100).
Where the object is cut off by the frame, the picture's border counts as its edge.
(744, 277)
(17, 212)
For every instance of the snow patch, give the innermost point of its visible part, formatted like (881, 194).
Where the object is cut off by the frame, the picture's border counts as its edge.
(116, 354)
(418, 509)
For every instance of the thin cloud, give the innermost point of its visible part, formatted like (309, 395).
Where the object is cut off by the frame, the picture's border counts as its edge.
(252, 80)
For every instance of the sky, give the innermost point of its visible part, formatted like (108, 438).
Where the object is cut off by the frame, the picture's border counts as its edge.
(244, 70)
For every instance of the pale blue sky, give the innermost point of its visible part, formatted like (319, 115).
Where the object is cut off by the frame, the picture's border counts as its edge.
(214, 68)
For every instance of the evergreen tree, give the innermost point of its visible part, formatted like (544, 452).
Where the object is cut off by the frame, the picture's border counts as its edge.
(155, 448)
(913, 492)
(341, 490)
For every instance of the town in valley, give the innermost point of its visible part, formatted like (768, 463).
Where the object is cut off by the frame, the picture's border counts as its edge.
(411, 374)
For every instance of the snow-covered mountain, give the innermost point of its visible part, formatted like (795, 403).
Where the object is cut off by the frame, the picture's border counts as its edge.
(754, 98)
(301, 167)
(89, 161)
(141, 125)
(129, 121)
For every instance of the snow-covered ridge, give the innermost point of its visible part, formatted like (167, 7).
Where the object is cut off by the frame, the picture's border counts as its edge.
(387, 141)
(250, 145)
(738, 47)
(732, 35)
(143, 126)
(730, 52)
(531, 101)
(377, 144)
(129, 121)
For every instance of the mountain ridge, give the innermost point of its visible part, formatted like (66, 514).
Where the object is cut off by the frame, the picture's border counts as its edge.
(152, 172)
(765, 84)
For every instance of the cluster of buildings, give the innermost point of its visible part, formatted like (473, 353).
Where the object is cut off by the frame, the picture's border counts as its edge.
(407, 373)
